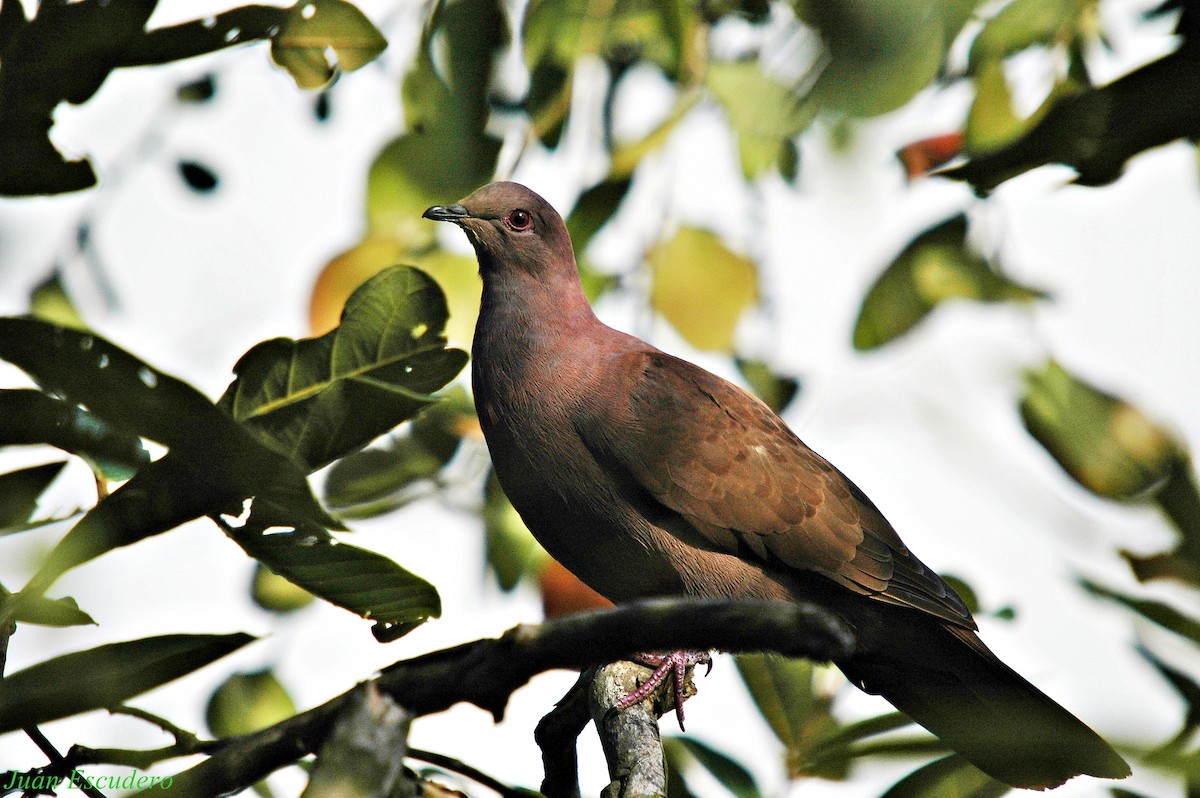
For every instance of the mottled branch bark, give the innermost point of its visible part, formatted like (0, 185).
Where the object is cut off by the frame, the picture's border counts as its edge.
(630, 738)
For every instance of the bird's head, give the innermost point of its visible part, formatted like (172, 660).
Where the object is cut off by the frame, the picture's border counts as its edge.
(510, 227)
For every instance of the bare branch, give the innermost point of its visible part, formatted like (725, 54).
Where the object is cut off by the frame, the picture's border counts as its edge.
(556, 734)
(632, 746)
(486, 672)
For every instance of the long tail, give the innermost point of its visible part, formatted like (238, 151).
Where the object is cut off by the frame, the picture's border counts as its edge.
(947, 680)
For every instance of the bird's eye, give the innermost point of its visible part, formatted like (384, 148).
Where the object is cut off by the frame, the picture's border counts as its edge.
(518, 220)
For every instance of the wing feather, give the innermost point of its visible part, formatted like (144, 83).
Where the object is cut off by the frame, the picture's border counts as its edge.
(724, 462)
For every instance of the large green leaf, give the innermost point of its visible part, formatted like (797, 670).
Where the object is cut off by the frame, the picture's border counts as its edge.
(316, 28)
(361, 581)
(1096, 131)
(381, 479)
(29, 417)
(320, 398)
(936, 266)
(213, 463)
(105, 676)
(951, 777)
(701, 287)
(763, 114)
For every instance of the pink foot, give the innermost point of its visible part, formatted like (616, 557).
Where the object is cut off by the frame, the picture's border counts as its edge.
(673, 666)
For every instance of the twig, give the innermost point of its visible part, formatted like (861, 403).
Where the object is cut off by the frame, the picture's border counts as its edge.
(463, 769)
(556, 735)
(57, 762)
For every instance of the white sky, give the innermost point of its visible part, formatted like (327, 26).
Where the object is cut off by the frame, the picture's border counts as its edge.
(927, 427)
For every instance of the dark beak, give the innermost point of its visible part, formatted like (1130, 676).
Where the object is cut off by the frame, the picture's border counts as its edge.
(447, 213)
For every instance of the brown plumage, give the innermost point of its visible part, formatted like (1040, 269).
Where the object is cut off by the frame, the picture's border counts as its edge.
(648, 476)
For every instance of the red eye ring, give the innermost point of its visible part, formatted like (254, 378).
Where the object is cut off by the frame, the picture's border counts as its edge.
(518, 220)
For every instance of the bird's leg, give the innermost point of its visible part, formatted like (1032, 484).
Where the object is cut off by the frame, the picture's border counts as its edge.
(671, 666)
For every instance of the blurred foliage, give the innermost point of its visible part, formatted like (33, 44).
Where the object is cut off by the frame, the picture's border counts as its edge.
(385, 336)
(247, 702)
(937, 266)
(106, 676)
(67, 50)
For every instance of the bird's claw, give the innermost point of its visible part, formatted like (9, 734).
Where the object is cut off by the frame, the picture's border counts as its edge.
(671, 666)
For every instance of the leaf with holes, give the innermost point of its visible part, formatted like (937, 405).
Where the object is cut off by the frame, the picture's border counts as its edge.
(105, 676)
(314, 29)
(321, 398)
(361, 581)
(31, 417)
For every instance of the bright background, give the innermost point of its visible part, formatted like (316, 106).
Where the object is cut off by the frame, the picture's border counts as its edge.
(928, 428)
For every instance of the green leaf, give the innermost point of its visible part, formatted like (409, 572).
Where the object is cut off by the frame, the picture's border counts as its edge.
(558, 33)
(1189, 691)
(776, 391)
(248, 702)
(1022, 24)
(446, 152)
(701, 287)
(938, 265)
(378, 480)
(784, 692)
(951, 777)
(31, 417)
(50, 302)
(594, 209)
(727, 771)
(105, 676)
(274, 593)
(763, 114)
(213, 461)
(1162, 614)
(563, 31)
(316, 28)
(42, 611)
(320, 398)
(361, 581)
(19, 492)
(1179, 499)
(991, 122)
(880, 52)
(1104, 443)
(1096, 131)
(512, 551)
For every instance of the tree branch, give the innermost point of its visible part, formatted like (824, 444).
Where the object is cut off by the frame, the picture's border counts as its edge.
(632, 746)
(556, 734)
(486, 672)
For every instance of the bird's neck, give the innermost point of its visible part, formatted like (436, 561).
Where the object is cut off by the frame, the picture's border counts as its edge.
(535, 310)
